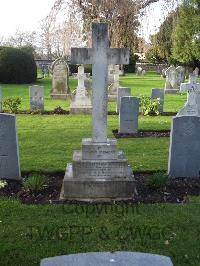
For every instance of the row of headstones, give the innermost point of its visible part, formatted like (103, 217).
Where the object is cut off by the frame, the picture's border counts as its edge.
(175, 77)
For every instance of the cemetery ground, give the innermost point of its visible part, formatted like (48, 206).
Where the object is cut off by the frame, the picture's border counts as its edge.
(30, 232)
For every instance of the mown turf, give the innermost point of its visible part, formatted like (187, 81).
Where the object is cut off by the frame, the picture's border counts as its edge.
(30, 233)
(47, 142)
(140, 85)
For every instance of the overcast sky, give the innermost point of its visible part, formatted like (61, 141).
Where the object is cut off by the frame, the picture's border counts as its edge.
(26, 15)
(22, 14)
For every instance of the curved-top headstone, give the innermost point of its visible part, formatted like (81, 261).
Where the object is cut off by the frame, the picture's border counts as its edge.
(180, 74)
(108, 259)
(9, 151)
(171, 84)
(60, 79)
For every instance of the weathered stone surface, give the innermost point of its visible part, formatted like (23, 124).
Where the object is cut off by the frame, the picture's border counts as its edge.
(171, 84)
(60, 79)
(192, 106)
(113, 83)
(1, 99)
(99, 151)
(180, 75)
(122, 92)
(158, 94)
(99, 171)
(128, 114)
(184, 153)
(36, 97)
(196, 71)
(81, 103)
(100, 56)
(139, 71)
(9, 151)
(108, 259)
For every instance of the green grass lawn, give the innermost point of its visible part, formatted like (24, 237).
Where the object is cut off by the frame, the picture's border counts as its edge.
(29, 233)
(140, 85)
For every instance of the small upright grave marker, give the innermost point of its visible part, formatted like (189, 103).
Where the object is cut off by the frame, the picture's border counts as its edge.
(128, 115)
(9, 151)
(113, 88)
(171, 84)
(196, 71)
(122, 91)
(36, 98)
(157, 93)
(180, 75)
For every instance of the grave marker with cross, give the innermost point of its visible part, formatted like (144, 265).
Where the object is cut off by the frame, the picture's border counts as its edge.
(100, 56)
(82, 77)
(192, 106)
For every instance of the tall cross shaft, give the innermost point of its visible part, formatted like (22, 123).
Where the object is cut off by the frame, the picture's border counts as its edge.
(100, 56)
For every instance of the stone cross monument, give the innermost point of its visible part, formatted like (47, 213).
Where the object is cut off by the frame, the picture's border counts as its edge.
(100, 56)
(192, 106)
(99, 171)
(81, 103)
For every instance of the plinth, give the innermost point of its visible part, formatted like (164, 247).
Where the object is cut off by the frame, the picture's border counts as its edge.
(98, 172)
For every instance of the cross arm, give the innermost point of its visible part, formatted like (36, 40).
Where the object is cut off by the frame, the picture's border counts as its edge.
(117, 56)
(81, 55)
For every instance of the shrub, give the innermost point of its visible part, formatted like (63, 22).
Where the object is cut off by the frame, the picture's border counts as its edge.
(149, 106)
(16, 66)
(35, 183)
(157, 180)
(12, 104)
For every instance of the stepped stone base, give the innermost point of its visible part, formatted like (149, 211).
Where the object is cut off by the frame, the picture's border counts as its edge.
(98, 172)
(60, 96)
(171, 91)
(81, 110)
(112, 98)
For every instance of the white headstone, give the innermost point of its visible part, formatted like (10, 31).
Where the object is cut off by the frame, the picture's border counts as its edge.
(99, 171)
(196, 71)
(1, 99)
(128, 115)
(81, 103)
(119, 258)
(9, 151)
(113, 88)
(36, 97)
(60, 79)
(180, 74)
(122, 91)
(171, 84)
(143, 72)
(139, 71)
(192, 106)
